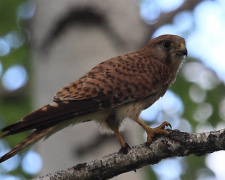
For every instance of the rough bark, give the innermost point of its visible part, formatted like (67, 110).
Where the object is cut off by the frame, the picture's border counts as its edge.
(175, 144)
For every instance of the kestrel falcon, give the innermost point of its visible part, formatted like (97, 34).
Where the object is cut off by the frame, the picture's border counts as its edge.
(115, 89)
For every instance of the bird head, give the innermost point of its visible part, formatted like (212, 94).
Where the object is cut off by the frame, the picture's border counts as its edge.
(169, 49)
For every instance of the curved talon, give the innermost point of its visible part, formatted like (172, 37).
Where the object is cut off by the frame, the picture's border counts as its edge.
(151, 132)
(125, 149)
(164, 124)
(158, 130)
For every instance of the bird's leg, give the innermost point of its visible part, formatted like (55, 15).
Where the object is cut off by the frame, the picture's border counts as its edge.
(119, 137)
(124, 146)
(114, 126)
(151, 132)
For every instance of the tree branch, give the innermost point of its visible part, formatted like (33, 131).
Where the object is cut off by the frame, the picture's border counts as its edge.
(168, 17)
(175, 144)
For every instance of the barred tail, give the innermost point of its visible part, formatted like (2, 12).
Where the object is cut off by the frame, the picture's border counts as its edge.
(29, 140)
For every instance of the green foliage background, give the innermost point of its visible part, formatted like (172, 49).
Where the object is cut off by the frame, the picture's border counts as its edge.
(14, 105)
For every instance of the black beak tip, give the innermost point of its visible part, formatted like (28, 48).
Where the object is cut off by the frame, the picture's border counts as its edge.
(183, 52)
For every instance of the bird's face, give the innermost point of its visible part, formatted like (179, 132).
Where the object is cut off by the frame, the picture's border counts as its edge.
(168, 49)
(174, 52)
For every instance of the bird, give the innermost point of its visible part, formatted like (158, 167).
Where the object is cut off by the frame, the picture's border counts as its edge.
(118, 88)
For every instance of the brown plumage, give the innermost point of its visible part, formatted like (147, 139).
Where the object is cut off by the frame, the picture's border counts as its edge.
(113, 90)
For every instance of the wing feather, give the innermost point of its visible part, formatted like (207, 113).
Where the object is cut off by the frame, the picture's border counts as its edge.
(127, 76)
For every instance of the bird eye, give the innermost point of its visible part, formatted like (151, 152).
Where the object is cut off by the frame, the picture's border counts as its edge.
(166, 44)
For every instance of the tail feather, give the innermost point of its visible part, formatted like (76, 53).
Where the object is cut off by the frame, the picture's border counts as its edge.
(32, 138)
(5, 135)
(47, 118)
(52, 114)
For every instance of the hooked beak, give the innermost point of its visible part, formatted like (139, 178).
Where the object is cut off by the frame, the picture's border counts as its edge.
(182, 49)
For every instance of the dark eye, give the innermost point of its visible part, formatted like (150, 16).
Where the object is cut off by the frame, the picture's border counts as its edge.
(166, 44)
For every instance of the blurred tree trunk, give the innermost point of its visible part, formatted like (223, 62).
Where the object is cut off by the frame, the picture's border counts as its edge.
(69, 38)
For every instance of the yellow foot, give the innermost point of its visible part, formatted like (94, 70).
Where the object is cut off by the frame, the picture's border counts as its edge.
(151, 132)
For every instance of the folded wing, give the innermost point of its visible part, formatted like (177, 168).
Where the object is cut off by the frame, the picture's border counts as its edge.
(114, 82)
